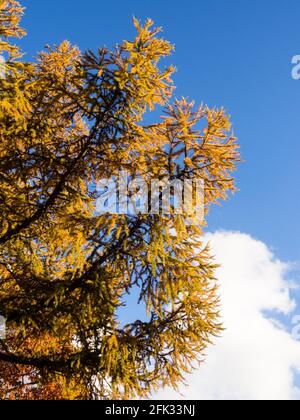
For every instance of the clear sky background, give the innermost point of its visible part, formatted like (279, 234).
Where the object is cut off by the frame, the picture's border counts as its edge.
(235, 54)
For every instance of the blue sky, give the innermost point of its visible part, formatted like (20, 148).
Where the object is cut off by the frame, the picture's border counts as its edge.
(235, 54)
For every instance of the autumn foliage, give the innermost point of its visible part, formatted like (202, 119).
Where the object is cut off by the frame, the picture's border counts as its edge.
(68, 120)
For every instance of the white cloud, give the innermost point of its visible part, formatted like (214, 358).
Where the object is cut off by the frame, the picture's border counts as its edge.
(256, 358)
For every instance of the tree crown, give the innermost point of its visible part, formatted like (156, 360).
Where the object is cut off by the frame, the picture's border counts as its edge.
(67, 121)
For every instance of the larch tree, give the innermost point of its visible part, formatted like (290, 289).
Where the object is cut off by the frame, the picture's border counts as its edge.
(68, 121)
